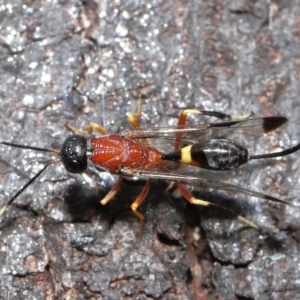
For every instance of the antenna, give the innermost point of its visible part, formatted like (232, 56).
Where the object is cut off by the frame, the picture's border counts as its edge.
(31, 180)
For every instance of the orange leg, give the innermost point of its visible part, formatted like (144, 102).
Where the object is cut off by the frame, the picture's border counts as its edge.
(92, 127)
(132, 119)
(190, 198)
(112, 191)
(219, 115)
(137, 202)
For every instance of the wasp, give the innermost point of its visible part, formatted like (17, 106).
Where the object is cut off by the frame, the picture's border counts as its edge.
(135, 153)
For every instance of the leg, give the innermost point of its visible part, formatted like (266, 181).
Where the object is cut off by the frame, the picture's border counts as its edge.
(92, 127)
(112, 191)
(216, 114)
(137, 202)
(190, 198)
(132, 118)
(219, 115)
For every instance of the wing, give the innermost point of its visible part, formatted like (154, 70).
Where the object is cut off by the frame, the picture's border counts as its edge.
(239, 131)
(198, 182)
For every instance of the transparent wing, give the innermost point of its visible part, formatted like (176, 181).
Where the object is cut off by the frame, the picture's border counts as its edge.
(198, 182)
(240, 131)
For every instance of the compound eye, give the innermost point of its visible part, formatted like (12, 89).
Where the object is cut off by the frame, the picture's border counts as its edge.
(73, 154)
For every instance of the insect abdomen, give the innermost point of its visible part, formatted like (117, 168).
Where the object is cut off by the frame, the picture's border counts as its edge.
(217, 154)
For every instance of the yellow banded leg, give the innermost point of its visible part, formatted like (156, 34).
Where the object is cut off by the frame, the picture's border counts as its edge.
(190, 198)
(92, 127)
(137, 202)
